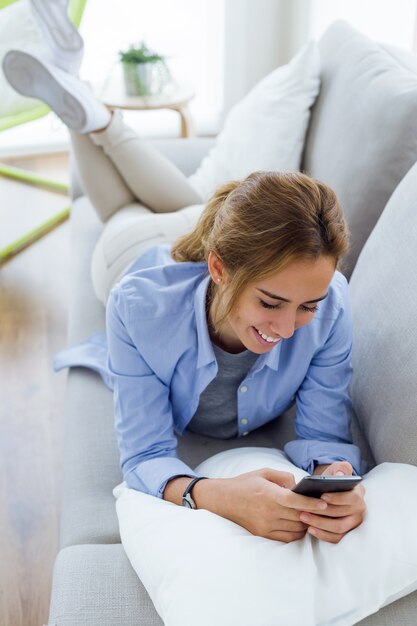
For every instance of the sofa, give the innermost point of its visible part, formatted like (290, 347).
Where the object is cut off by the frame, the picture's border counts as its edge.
(362, 141)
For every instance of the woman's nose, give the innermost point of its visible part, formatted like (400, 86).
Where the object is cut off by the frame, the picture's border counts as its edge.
(284, 327)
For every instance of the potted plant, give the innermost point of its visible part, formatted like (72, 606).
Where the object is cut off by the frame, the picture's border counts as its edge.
(145, 71)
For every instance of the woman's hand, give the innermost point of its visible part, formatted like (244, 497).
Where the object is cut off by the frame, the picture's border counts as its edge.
(262, 502)
(345, 512)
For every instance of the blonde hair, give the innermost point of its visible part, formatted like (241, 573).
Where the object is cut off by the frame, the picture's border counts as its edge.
(259, 225)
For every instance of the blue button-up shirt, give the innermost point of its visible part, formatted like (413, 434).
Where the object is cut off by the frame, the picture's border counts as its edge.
(159, 359)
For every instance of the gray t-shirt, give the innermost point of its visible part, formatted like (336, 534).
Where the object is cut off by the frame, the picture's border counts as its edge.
(216, 414)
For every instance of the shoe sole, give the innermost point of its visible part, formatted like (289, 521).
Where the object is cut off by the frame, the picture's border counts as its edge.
(63, 32)
(31, 78)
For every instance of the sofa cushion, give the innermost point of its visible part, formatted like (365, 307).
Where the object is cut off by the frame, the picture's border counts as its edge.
(91, 467)
(86, 313)
(384, 302)
(237, 577)
(400, 613)
(96, 586)
(265, 130)
(362, 137)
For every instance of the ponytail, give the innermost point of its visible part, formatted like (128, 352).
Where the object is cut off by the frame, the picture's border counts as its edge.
(195, 246)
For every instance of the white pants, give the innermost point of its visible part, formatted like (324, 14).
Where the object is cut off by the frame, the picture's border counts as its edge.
(142, 198)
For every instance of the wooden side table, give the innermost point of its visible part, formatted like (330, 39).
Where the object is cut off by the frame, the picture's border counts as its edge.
(176, 97)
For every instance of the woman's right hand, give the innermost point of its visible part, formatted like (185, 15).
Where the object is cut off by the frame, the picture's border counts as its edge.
(262, 502)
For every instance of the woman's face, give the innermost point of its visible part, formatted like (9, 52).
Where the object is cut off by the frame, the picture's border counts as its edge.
(291, 301)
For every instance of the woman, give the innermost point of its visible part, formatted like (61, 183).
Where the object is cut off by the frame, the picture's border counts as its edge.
(220, 332)
(247, 305)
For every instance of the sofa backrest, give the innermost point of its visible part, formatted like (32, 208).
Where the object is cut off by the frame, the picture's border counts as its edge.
(362, 137)
(383, 290)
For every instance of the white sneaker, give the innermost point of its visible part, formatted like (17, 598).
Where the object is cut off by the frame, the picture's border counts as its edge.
(71, 99)
(63, 42)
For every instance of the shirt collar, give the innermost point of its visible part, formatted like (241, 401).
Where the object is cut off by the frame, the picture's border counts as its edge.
(271, 358)
(205, 347)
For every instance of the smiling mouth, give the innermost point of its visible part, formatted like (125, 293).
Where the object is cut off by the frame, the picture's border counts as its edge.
(276, 339)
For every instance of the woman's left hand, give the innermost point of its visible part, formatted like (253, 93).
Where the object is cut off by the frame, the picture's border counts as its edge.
(345, 511)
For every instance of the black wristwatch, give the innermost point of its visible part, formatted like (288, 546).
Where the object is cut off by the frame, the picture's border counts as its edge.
(187, 500)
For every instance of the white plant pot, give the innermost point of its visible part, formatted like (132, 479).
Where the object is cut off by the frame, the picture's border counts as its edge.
(144, 79)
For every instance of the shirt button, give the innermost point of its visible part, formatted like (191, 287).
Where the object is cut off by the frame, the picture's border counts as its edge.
(244, 421)
(245, 433)
(243, 389)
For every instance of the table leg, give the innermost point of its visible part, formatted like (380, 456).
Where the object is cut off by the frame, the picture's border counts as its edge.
(187, 126)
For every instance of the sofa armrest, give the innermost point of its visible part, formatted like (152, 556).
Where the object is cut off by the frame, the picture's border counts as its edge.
(185, 153)
(95, 584)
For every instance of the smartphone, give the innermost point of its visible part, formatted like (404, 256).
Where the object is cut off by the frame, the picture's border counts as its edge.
(314, 486)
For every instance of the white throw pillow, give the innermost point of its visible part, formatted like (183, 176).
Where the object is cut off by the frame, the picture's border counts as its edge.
(17, 32)
(265, 130)
(200, 568)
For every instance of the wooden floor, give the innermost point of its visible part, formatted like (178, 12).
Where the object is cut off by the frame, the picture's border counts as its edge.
(33, 321)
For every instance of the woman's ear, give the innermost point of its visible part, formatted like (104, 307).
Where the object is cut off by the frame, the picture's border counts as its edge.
(216, 268)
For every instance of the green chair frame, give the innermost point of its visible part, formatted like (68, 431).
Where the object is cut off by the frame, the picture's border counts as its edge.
(76, 9)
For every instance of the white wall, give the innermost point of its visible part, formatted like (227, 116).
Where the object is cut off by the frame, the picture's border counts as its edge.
(388, 21)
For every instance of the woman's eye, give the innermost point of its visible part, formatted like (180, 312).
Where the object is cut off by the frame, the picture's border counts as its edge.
(269, 306)
(307, 309)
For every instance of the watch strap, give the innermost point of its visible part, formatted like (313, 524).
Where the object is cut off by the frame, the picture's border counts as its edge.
(187, 500)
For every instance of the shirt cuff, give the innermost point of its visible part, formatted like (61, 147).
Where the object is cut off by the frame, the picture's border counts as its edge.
(306, 453)
(152, 476)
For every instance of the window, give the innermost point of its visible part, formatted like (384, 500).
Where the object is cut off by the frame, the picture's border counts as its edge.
(190, 33)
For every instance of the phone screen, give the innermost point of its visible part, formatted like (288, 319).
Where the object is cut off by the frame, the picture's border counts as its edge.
(315, 486)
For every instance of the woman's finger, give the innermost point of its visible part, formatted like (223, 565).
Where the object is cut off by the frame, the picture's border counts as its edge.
(325, 536)
(291, 526)
(283, 513)
(343, 510)
(339, 466)
(299, 502)
(337, 525)
(347, 498)
(285, 536)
